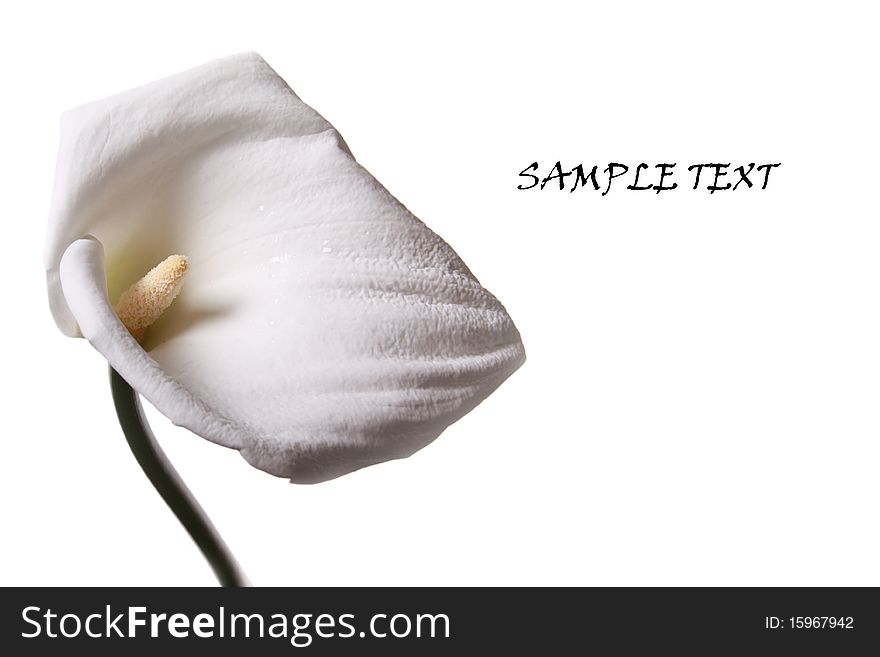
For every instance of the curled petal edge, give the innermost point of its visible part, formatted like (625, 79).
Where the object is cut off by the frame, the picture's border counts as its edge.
(84, 284)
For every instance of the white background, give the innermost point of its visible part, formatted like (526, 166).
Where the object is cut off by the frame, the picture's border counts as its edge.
(700, 403)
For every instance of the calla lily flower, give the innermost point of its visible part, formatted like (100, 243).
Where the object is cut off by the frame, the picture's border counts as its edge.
(321, 328)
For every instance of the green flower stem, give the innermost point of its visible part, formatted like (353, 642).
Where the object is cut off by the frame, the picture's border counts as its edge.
(169, 485)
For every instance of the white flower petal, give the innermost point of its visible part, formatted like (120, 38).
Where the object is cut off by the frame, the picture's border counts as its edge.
(321, 328)
(85, 290)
